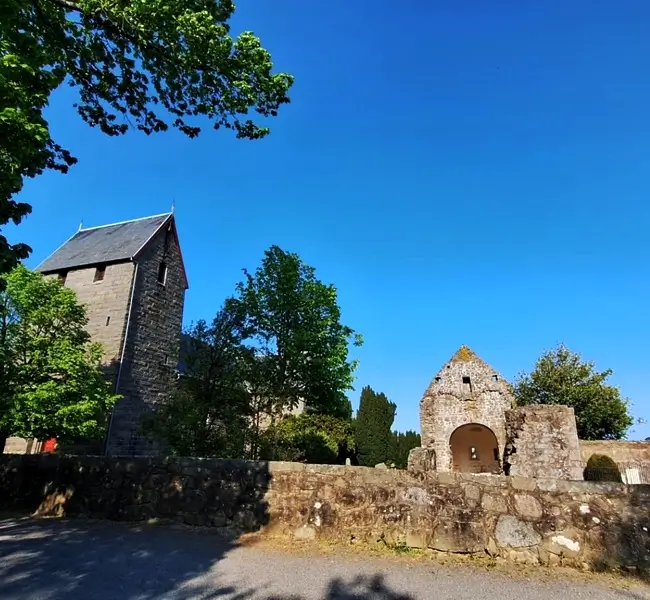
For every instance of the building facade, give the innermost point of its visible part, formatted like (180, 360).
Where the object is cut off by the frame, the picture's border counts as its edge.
(131, 278)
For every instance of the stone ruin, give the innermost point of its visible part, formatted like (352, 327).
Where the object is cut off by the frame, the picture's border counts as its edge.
(469, 424)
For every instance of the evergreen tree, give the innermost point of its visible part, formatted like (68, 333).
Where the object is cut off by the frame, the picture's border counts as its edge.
(400, 446)
(372, 427)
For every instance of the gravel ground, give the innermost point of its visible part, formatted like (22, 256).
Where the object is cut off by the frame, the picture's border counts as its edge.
(56, 559)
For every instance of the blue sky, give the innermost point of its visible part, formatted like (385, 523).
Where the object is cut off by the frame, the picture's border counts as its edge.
(465, 173)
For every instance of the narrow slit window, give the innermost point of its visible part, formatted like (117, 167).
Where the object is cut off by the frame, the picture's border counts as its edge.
(63, 275)
(473, 454)
(108, 321)
(467, 384)
(100, 272)
(162, 273)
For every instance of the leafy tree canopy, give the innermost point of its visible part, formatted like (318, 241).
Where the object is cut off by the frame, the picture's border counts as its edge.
(562, 377)
(372, 428)
(292, 322)
(51, 384)
(311, 438)
(148, 65)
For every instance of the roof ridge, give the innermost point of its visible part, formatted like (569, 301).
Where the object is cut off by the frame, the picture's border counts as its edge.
(167, 214)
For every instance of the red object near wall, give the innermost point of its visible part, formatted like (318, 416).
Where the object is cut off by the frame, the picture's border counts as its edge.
(49, 445)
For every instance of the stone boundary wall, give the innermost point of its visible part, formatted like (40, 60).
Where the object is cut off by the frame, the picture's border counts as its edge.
(631, 457)
(623, 451)
(531, 520)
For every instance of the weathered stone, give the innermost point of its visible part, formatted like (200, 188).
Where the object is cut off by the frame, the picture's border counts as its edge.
(459, 536)
(417, 539)
(542, 442)
(492, 549)
(526, 484)
(514, 533)
(422, 460)
(562, 545)
(305, 533)
(494, 503)
(473, 494)
(527, 506)
(381, 466)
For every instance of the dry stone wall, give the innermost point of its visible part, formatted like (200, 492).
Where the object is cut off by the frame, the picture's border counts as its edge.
(539, 521)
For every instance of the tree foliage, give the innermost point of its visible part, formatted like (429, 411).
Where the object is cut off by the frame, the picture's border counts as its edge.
(602, 468)
(145, 65)
(311, 438)
(207, 411)
(562, 377)
(400, 445)
(292, 322)
(51, 384)
(372, 428)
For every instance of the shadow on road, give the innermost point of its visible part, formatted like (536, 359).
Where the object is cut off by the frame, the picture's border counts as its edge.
(362, 587)
(61, 560)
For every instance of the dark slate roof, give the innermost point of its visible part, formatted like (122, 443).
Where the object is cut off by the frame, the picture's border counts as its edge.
(108, 243)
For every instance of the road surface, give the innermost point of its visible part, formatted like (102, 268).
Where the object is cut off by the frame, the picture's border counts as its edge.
(57, 560)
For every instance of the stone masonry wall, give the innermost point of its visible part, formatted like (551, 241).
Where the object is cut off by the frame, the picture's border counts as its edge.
(620, 451)
(107, 304)
(632, 458)
(539, 521)
(542, 442)
(448, 403)
(152, 344)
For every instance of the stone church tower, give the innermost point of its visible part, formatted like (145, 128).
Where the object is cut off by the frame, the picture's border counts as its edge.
(462, 415)
(131, 278)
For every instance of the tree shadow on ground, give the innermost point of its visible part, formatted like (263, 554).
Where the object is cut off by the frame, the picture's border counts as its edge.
(65, 559)
(362, 587)
(626, 537)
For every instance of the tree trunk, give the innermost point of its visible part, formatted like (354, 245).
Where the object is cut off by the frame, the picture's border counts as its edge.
(4, 436)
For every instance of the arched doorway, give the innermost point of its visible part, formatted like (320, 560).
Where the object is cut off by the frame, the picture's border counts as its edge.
(474, 449)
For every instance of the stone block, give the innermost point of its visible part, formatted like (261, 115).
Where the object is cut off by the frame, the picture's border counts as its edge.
(494, 503)
(512, 532)
(459, 536)
(562, 544)
(527, 484)
(528, 506)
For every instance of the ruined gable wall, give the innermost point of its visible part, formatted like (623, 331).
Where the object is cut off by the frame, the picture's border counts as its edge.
(448, 403)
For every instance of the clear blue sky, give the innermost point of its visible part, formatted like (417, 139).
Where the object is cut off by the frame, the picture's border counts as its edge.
(465, 173)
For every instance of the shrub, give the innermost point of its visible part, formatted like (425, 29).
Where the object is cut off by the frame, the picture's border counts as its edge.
(602, 468)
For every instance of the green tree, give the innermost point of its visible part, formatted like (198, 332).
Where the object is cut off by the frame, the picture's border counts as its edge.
(51, 383)
(562, 377)
(400, 446)
(145, 65)
(292, 323)
(207, 412)
(311, 438)
(372, 427)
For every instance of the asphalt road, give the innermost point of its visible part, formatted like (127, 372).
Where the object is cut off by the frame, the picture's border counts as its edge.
(101, 561)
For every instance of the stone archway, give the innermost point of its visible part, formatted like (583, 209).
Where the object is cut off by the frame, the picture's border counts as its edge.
(474, 449)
